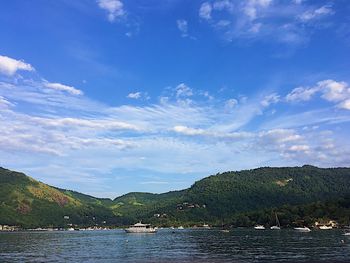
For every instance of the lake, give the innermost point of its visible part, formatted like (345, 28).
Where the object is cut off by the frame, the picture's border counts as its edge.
(240, 245)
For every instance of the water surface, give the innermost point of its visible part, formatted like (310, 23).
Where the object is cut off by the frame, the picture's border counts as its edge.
(240, 245)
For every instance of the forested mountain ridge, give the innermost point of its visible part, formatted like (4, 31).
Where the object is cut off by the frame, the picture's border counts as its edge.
(30, 203)
(228, 197)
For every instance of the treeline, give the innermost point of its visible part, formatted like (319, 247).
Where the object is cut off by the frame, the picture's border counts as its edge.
(299, 215)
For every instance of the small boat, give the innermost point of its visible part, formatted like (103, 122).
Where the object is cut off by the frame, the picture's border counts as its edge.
(141, 228)
(275, 228)
(225, 231)
(180, 227)
(302, 229)
(206, 226)
(70, 229)
(323, 227)
(346, 234)
(259, 227)
(278, 227)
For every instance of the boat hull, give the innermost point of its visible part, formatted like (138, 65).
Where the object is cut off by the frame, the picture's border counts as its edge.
(275, 228)
(302, 229)
(259, 227)
(325, 227)
(148, 230)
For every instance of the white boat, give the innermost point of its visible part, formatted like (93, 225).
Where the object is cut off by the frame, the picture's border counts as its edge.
(346, 234)
(302, 229)
(206, 226)
(225, 230)
(259, 227)
(278, 227)
(141, 228)
(70, 229)
(325, 227)
(275, 228)
(180, 227)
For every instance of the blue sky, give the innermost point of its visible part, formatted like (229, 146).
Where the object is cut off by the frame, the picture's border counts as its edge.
(111, 96)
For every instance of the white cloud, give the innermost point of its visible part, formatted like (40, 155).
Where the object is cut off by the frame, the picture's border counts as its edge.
(223, 5)
(74, 123)
(115, 8)
(231, 103)
(334, 91)
(182, 25)
(270, 99)
(301, 94)
(182, 90)
(10, 66)
(138, 95)
(298, 2)
(184, 130)
(279, 136)
(205, 11)
(251, 8)
(264, 19)
(331, 90)
(316, 13)
(4, 103)
(299, 148)
(61, 87)
(345, 104)
(188, 131)
(134, 95)
(97, 140)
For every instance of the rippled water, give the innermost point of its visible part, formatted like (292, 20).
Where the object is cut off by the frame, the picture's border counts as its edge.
(240, 245)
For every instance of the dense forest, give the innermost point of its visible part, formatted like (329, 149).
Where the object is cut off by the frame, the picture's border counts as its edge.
(298, 195)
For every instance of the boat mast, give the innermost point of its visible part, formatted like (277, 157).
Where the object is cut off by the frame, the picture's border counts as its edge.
(278, 222)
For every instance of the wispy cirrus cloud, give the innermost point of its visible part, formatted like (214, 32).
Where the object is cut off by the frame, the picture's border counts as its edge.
(281, 21)
(62, 87)
(43, 126)
(316, 13)
(138, 95)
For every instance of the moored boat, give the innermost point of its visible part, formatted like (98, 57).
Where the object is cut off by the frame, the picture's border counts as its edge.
(259, 227)
(325, 227)
(302, 229)
(278, 226)
(141, 228)
(206, 226)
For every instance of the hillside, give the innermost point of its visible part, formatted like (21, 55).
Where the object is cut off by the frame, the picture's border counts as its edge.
(30, 203)
(240, 198)
(222, 196)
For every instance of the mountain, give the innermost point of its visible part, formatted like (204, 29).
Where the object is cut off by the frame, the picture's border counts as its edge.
(223, 196)
(30, 203)
(240, 198)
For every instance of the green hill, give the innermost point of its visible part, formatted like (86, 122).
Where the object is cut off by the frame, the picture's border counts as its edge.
(30, 203)
(240, 198)
(222, 196)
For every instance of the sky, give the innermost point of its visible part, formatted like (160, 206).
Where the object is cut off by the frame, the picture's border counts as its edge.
(111, 96)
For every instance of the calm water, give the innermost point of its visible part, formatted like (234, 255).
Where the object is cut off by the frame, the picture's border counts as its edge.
(241, 245)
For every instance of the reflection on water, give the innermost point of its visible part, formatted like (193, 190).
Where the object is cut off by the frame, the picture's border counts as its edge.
(240, 245)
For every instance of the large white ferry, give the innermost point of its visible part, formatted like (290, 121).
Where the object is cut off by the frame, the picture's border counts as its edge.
(141, 228)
